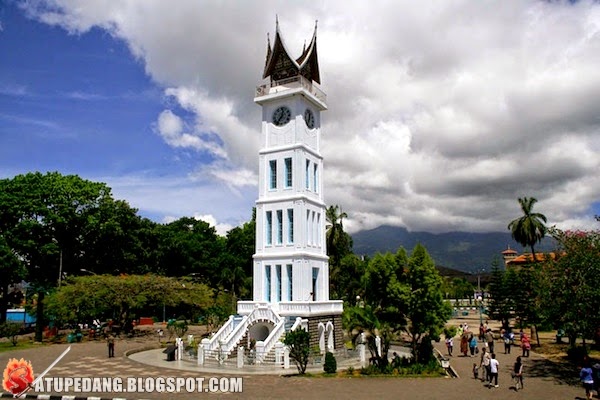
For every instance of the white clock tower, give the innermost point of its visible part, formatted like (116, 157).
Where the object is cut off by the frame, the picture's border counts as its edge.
(291, 270)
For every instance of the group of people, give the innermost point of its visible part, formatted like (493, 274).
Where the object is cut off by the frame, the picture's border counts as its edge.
(488, 366)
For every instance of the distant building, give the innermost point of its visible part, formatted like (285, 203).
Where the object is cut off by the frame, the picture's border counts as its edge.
(512, 259)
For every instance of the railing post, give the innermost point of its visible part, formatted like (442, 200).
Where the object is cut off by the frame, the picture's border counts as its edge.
(201, 352)
(286, 357)
(260, 351)
(240, 357)
(279, 353)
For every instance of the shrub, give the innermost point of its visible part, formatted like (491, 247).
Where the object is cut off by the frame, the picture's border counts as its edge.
(11, 331)
(298, 342)
(330, 365)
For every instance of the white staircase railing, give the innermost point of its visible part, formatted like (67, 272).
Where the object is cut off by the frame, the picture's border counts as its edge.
(227, 338)
(270, 341)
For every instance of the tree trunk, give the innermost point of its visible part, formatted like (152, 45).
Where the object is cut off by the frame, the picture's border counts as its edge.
(39, 316)
(535, 330)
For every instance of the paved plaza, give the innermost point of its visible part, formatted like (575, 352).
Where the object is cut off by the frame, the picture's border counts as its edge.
(544, 380)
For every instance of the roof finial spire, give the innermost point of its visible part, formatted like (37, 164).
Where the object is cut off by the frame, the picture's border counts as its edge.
(276, 21)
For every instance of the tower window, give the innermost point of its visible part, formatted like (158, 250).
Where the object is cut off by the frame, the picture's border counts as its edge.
(290, 221)
(268, 283)
(290, 294)
(273, 174)
(278, 282)
(279, 226)
(307, 174)
(269, 227)
(288, 172)
(316, 178)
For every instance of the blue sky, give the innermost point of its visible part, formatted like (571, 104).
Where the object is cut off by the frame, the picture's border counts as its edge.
(436, 130)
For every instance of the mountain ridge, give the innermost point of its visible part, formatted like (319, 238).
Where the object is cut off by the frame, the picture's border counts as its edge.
(464, 251)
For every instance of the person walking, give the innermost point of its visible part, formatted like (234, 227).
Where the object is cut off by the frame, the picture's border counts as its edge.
(517, 374)
(110, 341)
(449, 344)
(472, 345)
(494, 368)
(525, 345)
(587, 379)
(489, 339)
(507, 344)
(484, 363)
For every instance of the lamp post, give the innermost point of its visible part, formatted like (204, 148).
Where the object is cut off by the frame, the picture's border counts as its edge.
(480, 299)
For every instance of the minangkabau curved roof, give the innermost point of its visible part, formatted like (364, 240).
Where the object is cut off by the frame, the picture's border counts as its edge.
(280, 65)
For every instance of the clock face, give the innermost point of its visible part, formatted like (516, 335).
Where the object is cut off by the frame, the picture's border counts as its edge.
(309, 118)
(282, 116)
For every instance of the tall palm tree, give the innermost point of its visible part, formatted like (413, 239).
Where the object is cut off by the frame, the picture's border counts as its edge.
(528, 229)
(335, 227)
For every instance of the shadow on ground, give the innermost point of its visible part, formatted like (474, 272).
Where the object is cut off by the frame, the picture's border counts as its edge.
(564, 372)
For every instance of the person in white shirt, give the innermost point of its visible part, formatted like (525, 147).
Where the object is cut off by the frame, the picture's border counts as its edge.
(494, 367)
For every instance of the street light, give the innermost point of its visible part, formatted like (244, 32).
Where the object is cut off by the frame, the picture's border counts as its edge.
(480, 299)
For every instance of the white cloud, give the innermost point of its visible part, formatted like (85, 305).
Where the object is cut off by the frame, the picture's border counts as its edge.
(441, 113)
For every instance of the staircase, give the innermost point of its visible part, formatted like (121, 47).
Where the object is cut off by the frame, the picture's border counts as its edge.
(232, 333)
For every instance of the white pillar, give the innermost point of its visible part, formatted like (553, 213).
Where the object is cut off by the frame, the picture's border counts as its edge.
(279, 353)
(260, 351)
(240, 357)
(362, 354)
(286, 357)
(378, 345)
(179, 352)
(201, 347)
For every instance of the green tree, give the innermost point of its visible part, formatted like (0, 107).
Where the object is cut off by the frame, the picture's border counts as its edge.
(122, 297)
(402, 294)
(528, 229)
(425, 308)
(12, 271)
(570, 295)
(339, 244)
(298, 342)
(190, 246)
(42, 219)
(349, 284)
(501, 293)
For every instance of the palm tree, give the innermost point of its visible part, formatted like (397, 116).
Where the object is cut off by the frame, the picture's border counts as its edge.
(528, 229)
(335, 228)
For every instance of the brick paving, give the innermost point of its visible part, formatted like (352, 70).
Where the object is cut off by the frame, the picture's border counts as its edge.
(543, 379)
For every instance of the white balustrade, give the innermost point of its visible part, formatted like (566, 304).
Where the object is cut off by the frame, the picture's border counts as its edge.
(305, 308)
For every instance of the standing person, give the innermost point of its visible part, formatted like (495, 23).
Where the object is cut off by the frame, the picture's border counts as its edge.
(472, 345)
(587, 379)
(110, 341)
(481, 332)
(485, 365)
(525, 345)
(449, 344)
(489, 339)
(507, 344)
(494, 368)
(518, 373)
(464, 344)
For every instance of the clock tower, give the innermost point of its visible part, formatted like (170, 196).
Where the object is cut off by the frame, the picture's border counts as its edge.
(291, 270)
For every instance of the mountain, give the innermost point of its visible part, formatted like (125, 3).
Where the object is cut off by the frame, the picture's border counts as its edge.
(464, 251)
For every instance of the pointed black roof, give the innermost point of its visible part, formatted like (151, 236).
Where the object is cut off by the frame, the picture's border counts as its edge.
(280, 65)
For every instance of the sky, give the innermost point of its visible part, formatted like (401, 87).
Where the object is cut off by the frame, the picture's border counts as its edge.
(441, 113)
